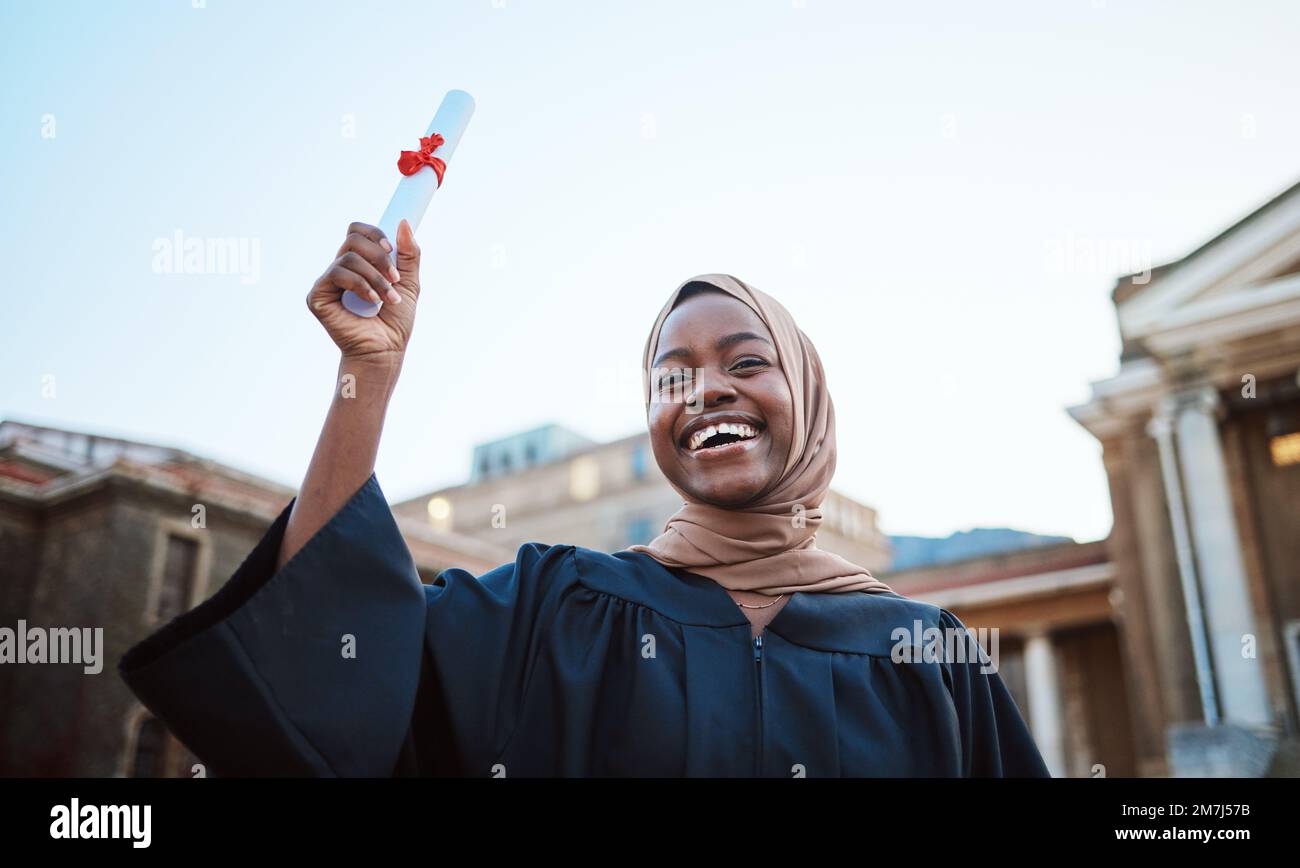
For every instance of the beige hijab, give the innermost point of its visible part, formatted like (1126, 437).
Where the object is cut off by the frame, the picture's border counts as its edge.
(768, 546)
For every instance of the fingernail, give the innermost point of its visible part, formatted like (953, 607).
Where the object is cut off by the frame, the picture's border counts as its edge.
(374, 297)
(394, 296)
(394, 274)
(383, 242)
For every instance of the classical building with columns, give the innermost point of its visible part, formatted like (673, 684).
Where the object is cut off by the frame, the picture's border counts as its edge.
(1200, 431)
(1048, 616)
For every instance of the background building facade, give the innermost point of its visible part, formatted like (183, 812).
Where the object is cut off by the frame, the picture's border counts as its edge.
(1200, 430)
(1058, 648)
(98, 532)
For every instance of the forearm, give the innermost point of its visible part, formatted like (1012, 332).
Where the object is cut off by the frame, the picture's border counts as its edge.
(345, 453)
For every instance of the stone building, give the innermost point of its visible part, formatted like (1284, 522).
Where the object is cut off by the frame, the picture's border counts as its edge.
(97, 532)
(1200, 430)
(1057, 645)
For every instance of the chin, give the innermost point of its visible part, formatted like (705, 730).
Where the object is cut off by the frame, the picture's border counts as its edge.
(729, 496)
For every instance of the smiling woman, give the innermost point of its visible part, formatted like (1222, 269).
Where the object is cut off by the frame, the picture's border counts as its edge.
(750, 448)
(730, 374)
(729, 646)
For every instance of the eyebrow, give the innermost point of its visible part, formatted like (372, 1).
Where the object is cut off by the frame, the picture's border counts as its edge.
(722, 344)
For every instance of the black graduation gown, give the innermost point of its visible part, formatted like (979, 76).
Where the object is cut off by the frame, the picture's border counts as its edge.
(566, 662)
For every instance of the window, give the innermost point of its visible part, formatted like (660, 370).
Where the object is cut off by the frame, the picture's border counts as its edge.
(831, 515)
(638, 463)
(176, 588)
(856, 528)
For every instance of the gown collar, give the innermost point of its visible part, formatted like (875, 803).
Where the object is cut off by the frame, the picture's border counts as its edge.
(853, 623)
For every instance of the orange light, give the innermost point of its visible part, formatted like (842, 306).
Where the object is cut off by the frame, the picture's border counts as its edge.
(1285, 449)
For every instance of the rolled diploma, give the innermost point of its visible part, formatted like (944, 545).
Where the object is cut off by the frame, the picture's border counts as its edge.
(415, 192)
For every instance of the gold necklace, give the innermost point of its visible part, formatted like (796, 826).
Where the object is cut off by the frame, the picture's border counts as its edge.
(764, 606)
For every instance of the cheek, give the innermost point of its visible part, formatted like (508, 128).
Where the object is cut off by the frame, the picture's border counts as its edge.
(660, 426)
(779, 410)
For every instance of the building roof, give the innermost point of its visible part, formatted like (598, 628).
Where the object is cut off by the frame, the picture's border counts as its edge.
(42, 463)
(45, 465)
(1125, 287)
(995, 567)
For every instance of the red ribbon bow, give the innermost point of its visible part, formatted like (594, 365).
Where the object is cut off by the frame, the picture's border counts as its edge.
(411, 162)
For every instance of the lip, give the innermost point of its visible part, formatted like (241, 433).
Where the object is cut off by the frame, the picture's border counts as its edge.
(730, 450)
(717, 419)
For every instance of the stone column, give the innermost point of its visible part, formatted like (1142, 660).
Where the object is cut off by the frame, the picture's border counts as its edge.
(1043, 686)
(1161, 429)
(1229, 616)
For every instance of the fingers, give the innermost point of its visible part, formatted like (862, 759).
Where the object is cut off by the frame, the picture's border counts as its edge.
(363, 251)
(374, 233)
(358, 264)
(351, 272)
(408, 256)
(375, 252)
(363, 264)
(374, 256)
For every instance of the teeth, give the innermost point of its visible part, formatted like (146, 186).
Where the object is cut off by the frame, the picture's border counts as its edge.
(735, 428)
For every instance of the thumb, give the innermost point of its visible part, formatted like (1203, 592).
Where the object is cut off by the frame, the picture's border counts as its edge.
(408, 256)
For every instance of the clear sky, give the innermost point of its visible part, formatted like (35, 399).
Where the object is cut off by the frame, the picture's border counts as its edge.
(942, 194)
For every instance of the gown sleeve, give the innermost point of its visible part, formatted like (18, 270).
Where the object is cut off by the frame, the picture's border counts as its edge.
(995, 741)
(485, 635)
(311, 670)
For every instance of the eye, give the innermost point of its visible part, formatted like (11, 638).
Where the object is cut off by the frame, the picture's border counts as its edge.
(749, 363)
(676, 378)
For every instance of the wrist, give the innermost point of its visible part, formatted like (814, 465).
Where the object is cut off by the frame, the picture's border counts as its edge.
(379, 363)
(372, 376)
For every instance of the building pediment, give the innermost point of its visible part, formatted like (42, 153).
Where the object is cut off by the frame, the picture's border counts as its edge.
(1228, 310)
(1243, 282)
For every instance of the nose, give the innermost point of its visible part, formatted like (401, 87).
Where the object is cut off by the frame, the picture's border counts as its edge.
(712, 389)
